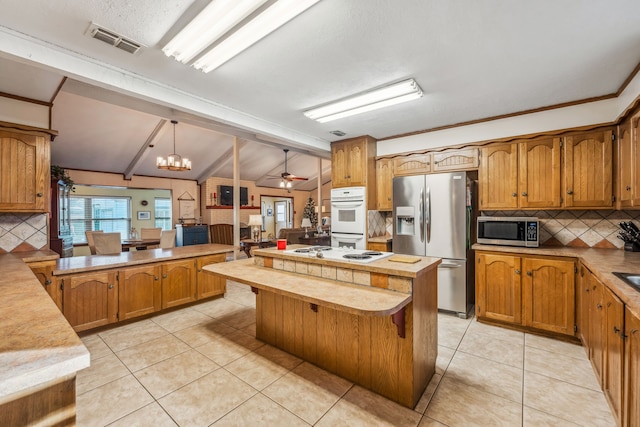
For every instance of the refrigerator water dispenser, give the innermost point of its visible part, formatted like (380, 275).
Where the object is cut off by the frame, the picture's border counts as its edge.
(405, 220)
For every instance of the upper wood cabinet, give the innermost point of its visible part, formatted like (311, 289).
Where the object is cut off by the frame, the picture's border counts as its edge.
(353, 164)
(24, 170)
(539, 173)
(498, 177)
(588, 170)
(455, 159)
(412, 164)
(629, 162)
(384, 181)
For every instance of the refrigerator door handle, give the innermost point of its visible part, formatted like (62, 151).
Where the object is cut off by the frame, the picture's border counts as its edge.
(420, 213)
(428, 211)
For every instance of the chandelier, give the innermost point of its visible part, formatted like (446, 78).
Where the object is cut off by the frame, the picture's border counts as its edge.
(174, 162)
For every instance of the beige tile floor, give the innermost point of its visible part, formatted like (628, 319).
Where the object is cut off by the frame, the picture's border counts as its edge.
(202, 366)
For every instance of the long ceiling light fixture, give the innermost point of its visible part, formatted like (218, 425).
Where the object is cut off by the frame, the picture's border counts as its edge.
(208, 26)
(174, 162)
(265, 23)
(386, 96)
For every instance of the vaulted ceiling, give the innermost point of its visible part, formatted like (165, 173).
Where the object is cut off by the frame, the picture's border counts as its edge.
(473, 60)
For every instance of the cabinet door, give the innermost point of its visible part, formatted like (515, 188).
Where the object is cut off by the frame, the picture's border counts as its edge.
(90, 300)
(384, 183)
(597, 319)
(24, 172)
(582, 306)
(178, 282)
(210, 285)
(588, 170)
(498, 177)
(139, 291)
(455, 160)
(625, 162)
(632, 370)
(635, 160)
(357, 163)
(43, 270)
(412, 164)
(339, 165)
(539, 173)
(614, 350)
(548, 288)
(498, 292)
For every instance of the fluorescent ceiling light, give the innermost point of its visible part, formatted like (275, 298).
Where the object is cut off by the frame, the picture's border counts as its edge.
(214, 21)
(268, 21)
(372, 100)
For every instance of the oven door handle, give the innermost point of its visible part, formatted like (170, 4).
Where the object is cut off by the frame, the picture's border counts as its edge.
(420, 214)
(347, 236)
(343, 205)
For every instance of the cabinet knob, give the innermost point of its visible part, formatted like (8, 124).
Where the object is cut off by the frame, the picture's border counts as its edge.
(164, 276)
(47, 282)
(599, 306)
(529, 273)
(569, 191)
(628, 188)
(39, 194)
(156, 278)
(615, 330)
(524, 194)
(514, 194)
(110, 286)
(517, 271)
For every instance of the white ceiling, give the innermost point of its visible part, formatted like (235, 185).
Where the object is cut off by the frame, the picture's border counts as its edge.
(473, 60)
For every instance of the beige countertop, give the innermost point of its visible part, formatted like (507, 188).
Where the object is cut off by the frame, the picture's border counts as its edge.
(350, 298)
(383, 266)
(380, 239)
(82, 264)
(601, 262)
(35, 256)
(37, 345)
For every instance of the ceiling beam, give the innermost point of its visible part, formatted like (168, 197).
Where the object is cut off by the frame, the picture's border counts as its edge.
(142, 152)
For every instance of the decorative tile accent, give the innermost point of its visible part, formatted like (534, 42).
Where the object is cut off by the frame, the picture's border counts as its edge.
(23, 232)
(594, 229)
(377, 223)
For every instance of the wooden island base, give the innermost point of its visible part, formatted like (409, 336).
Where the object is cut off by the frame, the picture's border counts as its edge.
(380, 339)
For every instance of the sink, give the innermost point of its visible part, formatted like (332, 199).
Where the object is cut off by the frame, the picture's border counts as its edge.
(631, 279)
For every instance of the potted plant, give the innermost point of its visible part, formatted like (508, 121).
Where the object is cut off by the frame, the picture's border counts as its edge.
(60, 174)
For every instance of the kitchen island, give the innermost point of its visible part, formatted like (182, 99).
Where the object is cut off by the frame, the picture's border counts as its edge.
(372, 323)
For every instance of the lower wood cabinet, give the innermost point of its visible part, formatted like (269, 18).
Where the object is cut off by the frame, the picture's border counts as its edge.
(140, 291)
(612, 383)
(90, 300)
(43, 270)
(631, 412)
(178, 282)
(209, 285)
(533, 292)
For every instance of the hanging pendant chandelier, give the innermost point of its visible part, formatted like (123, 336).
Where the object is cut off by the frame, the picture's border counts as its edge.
(174, 162)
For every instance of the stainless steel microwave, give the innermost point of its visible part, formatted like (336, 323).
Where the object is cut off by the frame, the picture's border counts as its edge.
(510, 231)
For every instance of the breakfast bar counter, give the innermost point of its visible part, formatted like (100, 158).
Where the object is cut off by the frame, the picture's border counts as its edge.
(373, 323)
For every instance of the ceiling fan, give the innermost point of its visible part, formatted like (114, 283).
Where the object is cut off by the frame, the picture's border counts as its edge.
(285, 177)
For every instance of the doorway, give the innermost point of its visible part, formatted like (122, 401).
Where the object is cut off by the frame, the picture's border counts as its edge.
(277, 213)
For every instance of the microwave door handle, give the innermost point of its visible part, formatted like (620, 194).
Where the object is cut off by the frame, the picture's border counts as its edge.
(420, 213)
(428, 209)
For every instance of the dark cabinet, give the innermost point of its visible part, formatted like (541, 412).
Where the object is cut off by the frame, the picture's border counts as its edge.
(187, 235)
(60, 239)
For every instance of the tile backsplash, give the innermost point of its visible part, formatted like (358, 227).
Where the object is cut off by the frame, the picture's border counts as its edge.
(21, 232)
(584, 229)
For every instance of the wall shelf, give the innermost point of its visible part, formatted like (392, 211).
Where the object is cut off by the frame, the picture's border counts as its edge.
(231, 207)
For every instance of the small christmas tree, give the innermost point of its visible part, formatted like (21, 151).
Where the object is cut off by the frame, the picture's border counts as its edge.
(310, 212)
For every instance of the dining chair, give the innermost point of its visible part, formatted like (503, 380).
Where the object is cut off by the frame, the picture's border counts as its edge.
(168, 239)
(150, 233)
(89, 235)
(108, 243)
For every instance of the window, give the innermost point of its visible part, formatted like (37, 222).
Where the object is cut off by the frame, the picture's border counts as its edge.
(109, 214)
(163, 213)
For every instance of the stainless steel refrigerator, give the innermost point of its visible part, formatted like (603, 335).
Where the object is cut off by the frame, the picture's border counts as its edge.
(432, 215)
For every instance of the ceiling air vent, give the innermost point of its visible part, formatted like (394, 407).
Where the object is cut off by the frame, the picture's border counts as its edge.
(337, 133)
(114, 39)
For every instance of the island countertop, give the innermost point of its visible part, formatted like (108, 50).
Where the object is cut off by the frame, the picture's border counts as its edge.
(37, 345)
(383, 266)
(347, 297)
(88, 263)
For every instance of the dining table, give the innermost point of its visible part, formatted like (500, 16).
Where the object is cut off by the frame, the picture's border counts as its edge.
(139, 244)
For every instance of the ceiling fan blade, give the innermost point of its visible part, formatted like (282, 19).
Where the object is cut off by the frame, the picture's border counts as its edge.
(289, 176)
